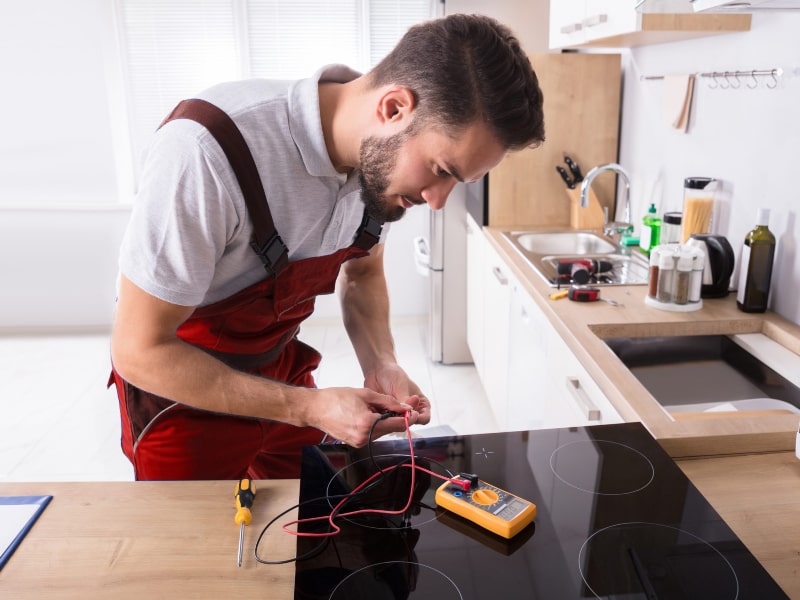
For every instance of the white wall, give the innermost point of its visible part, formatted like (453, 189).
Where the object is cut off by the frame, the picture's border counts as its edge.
(746, 137)
(60, 224)
(63, 195)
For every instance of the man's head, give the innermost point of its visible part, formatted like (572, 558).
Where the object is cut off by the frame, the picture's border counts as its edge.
(467, 68)
(470, 94)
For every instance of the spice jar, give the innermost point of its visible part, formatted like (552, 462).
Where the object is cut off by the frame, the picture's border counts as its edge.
(683, 272)
(675, 278)
(652, 281)
(666, 269)
(696, 278)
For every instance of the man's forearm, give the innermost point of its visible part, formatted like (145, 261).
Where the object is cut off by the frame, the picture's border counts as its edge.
(365, 311)
(178, 371)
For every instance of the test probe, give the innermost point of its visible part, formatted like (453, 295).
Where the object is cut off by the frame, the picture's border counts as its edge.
(245, 493)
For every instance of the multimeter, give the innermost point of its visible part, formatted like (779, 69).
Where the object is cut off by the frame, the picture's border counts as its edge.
(497, 510)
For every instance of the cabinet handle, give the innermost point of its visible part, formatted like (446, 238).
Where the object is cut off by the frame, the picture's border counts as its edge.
(571, 28)
(590, 411)
(594, 20)
(500, 277)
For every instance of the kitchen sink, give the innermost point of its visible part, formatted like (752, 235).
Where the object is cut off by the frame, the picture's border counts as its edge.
(713, 373)
(574, 243)
(544, 250)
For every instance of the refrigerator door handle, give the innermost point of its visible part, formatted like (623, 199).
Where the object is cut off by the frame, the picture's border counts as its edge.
(422, 256)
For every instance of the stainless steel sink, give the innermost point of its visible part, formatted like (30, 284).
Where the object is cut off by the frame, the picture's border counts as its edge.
(544, 250)
(574, 243)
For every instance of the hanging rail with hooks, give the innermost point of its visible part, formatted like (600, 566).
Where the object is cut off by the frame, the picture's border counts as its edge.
(733, 79)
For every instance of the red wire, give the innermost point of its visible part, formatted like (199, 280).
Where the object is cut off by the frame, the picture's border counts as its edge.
(333, 514)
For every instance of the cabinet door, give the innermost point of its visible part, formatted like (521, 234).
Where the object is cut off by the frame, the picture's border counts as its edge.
(497, 296)
(566, 27)
(475, 301)
(527, 363)
(575, 397)
(607, 18)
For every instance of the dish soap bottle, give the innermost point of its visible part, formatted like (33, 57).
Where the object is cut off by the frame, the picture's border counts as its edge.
(651, 230)
(755, 270)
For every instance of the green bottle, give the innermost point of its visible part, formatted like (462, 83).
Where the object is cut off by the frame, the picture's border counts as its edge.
(755, 269)
(651, 230)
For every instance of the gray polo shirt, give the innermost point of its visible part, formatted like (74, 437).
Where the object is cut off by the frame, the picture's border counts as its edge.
(188, 240)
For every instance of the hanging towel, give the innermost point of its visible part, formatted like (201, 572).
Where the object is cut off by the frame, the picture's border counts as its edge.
(678, 90)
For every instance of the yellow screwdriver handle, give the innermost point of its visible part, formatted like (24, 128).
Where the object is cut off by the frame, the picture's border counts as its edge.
(245, 494)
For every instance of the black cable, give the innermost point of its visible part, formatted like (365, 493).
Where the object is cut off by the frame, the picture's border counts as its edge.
(351, 496)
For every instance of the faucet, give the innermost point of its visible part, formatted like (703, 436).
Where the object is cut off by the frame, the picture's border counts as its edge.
(618, 227)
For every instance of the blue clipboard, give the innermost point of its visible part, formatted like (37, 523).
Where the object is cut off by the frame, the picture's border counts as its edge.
(17, 516)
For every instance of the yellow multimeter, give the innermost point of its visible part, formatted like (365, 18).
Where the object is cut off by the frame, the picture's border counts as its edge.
(497, 510)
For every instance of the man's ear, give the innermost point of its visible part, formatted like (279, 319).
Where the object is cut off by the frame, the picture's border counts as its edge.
(396, 104)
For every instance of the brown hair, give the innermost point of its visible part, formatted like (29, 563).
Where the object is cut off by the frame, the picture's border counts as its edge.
(464, 68)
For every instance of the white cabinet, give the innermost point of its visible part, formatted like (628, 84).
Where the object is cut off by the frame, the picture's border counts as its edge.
(528, 381)
(497, 295)
(576, 398)
(548, 387)
(489, 292)
(531, 377)
(476, 243)
(565, 23)
(627, 23)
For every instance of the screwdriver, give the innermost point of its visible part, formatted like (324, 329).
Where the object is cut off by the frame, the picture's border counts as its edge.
(245, 493)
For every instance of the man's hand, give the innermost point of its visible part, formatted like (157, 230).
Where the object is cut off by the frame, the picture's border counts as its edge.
(348, 414)
(394, 381)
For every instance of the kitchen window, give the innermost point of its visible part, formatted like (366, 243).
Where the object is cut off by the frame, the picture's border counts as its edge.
(171, 49)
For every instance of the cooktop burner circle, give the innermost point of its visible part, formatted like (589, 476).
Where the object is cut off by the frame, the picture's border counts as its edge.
(580, 464)
(391, 493)
(397, 579)
(655, 561)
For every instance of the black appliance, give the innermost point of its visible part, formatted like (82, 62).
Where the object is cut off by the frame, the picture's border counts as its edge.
(718, 264)
(616, 519)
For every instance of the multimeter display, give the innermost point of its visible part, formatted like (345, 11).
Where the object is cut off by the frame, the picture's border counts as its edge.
(497, 510)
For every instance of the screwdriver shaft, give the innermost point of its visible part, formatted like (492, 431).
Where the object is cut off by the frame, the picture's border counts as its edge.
(241, 545)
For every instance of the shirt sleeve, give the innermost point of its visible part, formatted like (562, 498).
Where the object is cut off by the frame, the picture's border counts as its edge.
(182, 218)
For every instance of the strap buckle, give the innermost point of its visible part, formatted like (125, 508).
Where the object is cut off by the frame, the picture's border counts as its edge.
(369, 227)
(274, 253)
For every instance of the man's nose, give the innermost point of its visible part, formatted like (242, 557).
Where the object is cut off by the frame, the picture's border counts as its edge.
(435, 195)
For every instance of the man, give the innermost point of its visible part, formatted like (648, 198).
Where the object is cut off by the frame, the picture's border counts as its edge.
(213, 382)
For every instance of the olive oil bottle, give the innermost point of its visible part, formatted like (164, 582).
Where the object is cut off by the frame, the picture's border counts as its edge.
(755, 270)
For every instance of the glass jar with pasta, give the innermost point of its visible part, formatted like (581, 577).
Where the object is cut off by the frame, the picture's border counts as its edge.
(698, 206)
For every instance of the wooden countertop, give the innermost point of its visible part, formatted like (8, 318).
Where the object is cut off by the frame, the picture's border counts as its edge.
(178, 540)
(148, 539)
(759, 498)
(583, 327)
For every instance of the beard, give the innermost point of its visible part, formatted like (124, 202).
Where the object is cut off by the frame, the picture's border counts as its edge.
(378, 157)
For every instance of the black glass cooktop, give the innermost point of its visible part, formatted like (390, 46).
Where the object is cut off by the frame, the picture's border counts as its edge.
(616, 519)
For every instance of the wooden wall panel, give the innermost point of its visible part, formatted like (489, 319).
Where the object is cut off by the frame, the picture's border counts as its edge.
(582, 115)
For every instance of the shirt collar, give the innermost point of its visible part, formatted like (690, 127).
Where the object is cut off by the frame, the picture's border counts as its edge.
(305, 122)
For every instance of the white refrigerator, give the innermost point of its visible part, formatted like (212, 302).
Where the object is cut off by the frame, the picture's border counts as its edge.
(441, 256)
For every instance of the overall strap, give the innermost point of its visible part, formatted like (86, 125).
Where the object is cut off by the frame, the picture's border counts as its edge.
(266, 242)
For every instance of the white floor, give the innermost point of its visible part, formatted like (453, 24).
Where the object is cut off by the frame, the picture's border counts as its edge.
(58, 422)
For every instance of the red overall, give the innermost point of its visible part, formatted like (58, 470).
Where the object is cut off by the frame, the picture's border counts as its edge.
(254, 331)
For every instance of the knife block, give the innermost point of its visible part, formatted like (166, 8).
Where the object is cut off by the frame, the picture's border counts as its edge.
(591, 217)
